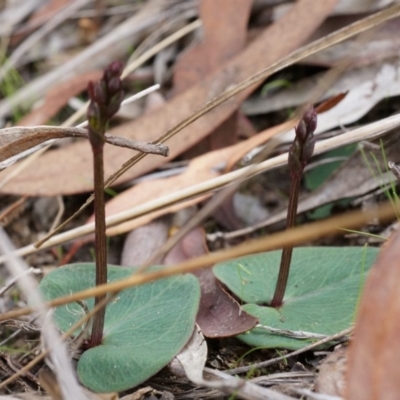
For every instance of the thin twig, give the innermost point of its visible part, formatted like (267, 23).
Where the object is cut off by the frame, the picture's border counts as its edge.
(16, 278)
(11, 138)
(267, 363)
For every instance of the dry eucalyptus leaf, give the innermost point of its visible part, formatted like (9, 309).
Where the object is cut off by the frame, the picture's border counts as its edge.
(359, 100)
(223, 38)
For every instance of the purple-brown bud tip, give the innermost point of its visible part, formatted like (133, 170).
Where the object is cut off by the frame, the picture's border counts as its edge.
(310, 118)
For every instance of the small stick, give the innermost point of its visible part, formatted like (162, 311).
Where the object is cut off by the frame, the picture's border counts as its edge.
(267, 363)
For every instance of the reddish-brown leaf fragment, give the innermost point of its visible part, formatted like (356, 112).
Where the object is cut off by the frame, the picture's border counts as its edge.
(330, 103)
(219, 314)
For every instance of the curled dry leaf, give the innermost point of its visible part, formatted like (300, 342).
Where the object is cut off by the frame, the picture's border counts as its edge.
(373, 363)
(16, 140)
(193, 357)
(280, 39)
(366, 86)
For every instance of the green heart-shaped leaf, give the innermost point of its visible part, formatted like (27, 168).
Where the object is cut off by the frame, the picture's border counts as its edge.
(324, 286)
(145, 326)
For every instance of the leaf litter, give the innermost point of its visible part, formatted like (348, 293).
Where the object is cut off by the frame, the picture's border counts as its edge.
(63, 170)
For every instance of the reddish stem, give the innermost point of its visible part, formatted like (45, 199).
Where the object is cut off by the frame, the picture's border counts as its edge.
(286, 257)
(100, 242)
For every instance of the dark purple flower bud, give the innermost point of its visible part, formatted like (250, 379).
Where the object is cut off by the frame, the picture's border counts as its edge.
(310, 119)
(301, 130)
(99, 93)
(116, 68)
(114, 85)
(308, 150)
(302, 147)
(114, 104)
(105, 100)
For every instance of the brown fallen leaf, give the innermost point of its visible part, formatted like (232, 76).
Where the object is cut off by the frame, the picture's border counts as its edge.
(373, 367)
(219, 314)
(224, 36)
(65, 177)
